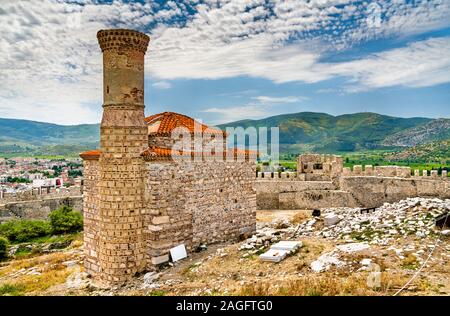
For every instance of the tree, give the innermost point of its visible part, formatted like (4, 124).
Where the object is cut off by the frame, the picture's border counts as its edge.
(3, 247)
(66, 220)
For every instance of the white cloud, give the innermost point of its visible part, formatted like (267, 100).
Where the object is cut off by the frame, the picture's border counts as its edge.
(162, 85)
(51, 65)
(228, 39)
(235, 113)
(262, 106)
(279, 100)
(420, 64)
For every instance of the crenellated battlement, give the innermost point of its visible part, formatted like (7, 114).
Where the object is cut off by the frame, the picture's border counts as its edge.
(359, 170)
(276, 175)
(122, 39)
(392, 171)
(316, 167)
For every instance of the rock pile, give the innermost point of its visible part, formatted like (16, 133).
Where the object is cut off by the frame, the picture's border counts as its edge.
(262, 239)
(413, 216)
(332, 258)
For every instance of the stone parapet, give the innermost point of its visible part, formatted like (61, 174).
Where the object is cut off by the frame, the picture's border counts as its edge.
(122, 39)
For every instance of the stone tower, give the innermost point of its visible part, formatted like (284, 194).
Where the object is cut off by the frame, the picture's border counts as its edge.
(123, 136)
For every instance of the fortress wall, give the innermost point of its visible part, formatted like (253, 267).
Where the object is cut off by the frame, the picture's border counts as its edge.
(36, 194)
(268, 192)
(315, 199)
(38, 209)
(374, 191)
(321, 181)
(391, 171)
(349, 191)
(197, 202)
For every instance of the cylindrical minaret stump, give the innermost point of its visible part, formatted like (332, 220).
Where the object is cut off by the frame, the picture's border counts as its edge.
(123, 136)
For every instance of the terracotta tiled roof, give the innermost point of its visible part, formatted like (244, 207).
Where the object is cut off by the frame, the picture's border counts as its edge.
(158, 153)
(166, 122)
(90, 154)
(166, 153)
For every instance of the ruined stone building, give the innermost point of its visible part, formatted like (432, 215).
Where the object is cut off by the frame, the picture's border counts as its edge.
(313, 167)
(139, 199)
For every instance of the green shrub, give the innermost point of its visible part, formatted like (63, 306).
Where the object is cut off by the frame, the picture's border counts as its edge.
(24, 230)
(11, 289)
(63, 220)
(3, 247)
(66, 220)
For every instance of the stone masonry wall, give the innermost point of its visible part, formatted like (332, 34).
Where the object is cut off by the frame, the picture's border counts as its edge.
(269, 192)
(202, 141)
(347, 191)
(91, 215)
(167, 222)
(197, 202)
(316, 199)
(374, 191)
(362, 186)
(37, 194)
(38, 209)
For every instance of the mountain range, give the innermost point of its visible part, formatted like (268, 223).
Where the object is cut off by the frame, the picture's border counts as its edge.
(298, 132)
(324, 133)
(435, 130)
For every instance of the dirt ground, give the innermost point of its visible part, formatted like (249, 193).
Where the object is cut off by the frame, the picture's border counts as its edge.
(223, 269)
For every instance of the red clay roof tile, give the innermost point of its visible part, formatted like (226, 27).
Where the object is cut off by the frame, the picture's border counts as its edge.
(90, 154)
(155, 152)
(166, 122)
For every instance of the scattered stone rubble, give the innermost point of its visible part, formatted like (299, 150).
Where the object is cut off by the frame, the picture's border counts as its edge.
(77, 254)
(413, 216)
(38, 248)
(149, 280)
(381, 226)
(261, 240)
(326, 260)
(280, 250)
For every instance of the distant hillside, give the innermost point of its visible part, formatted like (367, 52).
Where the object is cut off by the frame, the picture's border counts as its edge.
(438, 151)
(38, 134)
(320, 132)
(299, 132)
(23, 137)
(434, 130)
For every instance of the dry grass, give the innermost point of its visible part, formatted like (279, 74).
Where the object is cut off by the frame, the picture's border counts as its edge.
(35, 284)
(325, 284)
(50, 267)
(410, 262)
(232, 274)
(271, 216)
(50, 259)
(300, 217)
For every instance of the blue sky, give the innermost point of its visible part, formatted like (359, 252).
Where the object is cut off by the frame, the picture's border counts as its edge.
(226, 60)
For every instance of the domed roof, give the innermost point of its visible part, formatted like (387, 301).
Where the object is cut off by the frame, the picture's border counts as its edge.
(166, 122)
